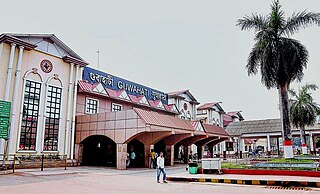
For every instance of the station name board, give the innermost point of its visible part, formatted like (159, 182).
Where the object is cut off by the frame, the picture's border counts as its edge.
(116, 83)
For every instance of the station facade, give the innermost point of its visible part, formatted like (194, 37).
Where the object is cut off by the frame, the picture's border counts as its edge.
(60, 106)
(116, 117)
(38, 73)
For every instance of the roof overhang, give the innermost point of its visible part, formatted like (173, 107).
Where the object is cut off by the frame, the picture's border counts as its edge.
(69, 59)
(6, 38)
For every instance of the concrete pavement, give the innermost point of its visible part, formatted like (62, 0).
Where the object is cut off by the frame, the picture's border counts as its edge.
(98, 180)
(270, 180)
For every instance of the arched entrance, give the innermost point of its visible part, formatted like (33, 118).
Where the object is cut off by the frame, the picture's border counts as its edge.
(98, 150)
(136, 147)
(160, 146)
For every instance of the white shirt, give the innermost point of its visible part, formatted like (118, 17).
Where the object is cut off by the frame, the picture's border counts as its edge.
(160, 162)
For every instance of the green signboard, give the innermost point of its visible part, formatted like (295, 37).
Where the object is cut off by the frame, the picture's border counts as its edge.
(5, 108)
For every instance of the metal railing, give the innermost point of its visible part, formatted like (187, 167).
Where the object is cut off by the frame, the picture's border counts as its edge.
(12, 161)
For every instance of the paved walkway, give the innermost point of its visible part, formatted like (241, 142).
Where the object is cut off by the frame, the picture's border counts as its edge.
(248, 177)
(99, 180)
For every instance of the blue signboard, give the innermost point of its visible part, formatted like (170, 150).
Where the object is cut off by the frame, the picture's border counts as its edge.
(116, 83)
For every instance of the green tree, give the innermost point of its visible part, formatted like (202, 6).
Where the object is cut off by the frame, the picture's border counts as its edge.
(279, 58)
(303, 110)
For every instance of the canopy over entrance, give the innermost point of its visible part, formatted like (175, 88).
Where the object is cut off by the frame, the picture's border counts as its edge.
(147, 127)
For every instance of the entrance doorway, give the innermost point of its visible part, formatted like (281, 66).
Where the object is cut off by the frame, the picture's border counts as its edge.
(99, 150)
(136, 148)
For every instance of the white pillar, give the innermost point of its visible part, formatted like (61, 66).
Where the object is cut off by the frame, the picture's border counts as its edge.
(241, 146)
(68, 122)
(73, 128)
(13, 130)
(311, 142)
(224, 147)
(7, 90)
(9, 73)
(268, 143)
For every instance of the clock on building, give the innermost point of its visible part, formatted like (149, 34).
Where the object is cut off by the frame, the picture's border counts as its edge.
(46, 66)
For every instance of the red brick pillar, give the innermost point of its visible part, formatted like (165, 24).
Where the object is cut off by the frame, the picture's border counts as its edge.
(146, 156)
(170, 155)
(121, 156)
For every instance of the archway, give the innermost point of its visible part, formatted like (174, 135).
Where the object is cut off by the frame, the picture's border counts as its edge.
(99, 150)
(138, 148)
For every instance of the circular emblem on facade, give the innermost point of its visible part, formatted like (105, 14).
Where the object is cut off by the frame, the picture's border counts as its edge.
(46, 66)
(185, 106)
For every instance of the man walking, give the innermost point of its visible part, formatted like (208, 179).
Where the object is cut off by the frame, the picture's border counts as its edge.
(160, 165)
(152, 155)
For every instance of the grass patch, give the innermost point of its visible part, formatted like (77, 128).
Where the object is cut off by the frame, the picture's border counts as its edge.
(284, 160)
(231, 165)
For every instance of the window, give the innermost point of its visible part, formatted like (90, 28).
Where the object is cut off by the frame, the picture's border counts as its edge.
(91, 106)
(30, 114)
(53, 106)
(116, 107)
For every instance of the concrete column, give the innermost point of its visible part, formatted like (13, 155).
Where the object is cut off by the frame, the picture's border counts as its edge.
(68, 122)
(73, 127)
(224, 147)
(241, 144)
(7, 90)
(9, 73)
(311, 143)
(170, 154)
(13, 130)
(146, 156)
(268, 143)
(202, 151)
(241, 147)
(121, 156)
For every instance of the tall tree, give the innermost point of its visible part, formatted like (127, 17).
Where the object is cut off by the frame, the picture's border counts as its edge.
(303, 110)
(279, 58)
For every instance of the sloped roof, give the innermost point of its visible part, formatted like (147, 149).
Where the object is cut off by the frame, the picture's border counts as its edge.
(207, 105)
(260, 126)
(213, 129)
(162, 120)
(255, 126)
(236, 114)
(8, 38)
(52, 37)
(85, 86)
(187, 92)
(211, 105)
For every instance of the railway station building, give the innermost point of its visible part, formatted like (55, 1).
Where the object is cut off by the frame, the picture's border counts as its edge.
(38, 73)
(116, 117)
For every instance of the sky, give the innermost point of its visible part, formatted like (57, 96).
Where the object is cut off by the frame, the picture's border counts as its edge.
(169, 45)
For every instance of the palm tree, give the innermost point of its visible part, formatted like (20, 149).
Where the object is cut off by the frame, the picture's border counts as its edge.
(280, 58)
(303, 110)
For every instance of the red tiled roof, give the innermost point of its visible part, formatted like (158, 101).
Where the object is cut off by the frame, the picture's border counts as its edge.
(177, 92)
(162, 120)
(207, 105)
(152, 103)
(85, 86)
(234, 113)
(112, 93)
(169, 107)
(213, 129)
